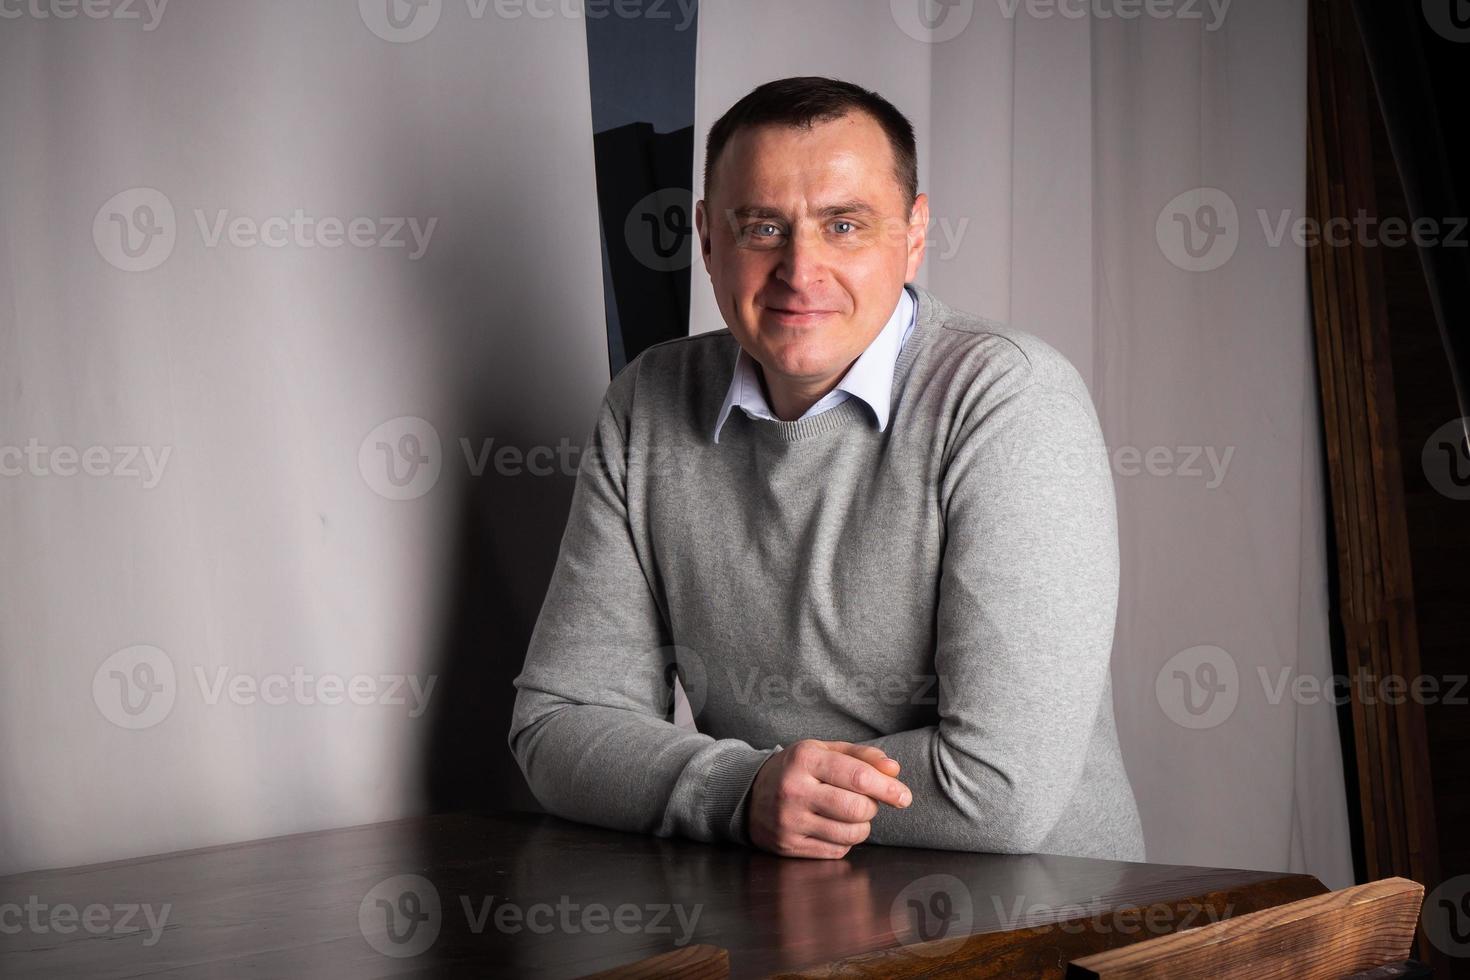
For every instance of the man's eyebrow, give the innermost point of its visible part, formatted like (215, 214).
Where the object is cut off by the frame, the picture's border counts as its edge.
(847, 207)
(829, 211)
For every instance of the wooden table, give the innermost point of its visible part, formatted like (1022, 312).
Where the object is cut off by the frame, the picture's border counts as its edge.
(530, 895)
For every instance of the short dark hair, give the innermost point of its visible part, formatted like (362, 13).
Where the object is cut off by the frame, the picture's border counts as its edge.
(803, 100)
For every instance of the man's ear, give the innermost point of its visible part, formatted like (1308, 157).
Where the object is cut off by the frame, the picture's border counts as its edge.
(701, 224)
(918, 235)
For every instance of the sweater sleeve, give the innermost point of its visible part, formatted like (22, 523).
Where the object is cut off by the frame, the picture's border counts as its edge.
(1024, 630)
(592, 728)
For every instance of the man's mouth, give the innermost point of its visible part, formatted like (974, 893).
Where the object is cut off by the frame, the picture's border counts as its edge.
(798, 315)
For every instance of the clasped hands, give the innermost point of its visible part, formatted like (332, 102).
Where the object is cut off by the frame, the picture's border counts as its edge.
(817, 799)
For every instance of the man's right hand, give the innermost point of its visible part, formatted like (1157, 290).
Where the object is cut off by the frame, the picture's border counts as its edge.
(817, 799)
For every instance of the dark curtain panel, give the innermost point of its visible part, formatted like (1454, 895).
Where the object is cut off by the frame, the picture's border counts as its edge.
(1418, 55)
(642, 78)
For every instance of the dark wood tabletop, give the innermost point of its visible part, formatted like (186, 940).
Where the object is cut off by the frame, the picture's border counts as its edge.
(530, 895)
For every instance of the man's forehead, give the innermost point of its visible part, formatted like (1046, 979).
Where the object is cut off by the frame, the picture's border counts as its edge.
(852, 142)
(843, 178)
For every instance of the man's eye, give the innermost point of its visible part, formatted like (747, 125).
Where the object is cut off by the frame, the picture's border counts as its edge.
(839, 223)
(766, 229)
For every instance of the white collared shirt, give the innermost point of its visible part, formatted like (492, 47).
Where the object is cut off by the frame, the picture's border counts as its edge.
(870, 378)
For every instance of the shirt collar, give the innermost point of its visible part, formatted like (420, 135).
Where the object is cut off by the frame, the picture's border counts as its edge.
(870, 377)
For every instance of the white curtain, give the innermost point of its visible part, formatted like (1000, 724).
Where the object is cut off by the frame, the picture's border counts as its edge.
(1053, 141)
(271, 545)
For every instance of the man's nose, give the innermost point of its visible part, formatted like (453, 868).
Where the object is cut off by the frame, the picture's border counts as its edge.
(803, 260)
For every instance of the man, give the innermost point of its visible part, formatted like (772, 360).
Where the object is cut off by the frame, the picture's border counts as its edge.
(888, 580)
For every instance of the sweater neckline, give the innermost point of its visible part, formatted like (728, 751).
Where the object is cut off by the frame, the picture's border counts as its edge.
(852, 411)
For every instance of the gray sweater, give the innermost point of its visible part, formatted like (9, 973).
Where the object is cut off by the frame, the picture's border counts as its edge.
(945, 589)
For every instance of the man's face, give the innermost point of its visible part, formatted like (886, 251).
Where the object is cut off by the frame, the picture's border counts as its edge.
(807, 239)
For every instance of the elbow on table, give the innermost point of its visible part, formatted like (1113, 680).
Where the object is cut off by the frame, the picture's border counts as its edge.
(1009, 814)
(525, 729)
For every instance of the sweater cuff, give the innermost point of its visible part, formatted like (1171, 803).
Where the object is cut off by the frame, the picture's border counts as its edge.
(727, 792)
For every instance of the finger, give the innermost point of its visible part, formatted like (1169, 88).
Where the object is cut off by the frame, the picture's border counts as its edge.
(875, 757)
(810, 847)
(832, 831)
(845, 772)
(842, 805)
